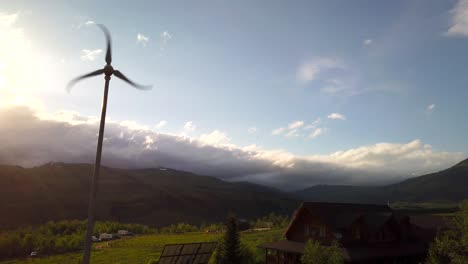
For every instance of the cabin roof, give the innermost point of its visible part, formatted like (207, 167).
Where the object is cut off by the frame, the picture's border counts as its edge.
(284, 246)
(358, 253)
(342, 215)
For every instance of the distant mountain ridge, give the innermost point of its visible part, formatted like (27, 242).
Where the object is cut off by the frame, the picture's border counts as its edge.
(155, 197)
(449, 185)
(162, 196)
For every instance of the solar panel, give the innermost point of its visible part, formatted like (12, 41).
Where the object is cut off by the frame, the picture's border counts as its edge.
(189, 253)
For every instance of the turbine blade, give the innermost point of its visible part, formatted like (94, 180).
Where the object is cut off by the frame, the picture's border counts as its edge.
(120, 75)
(79, 78)
(108, 40)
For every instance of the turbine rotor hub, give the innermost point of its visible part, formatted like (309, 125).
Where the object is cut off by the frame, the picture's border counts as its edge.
(108, 70)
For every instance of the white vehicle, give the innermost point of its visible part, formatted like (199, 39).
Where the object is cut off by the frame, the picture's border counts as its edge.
(105, 236)
(123, 233)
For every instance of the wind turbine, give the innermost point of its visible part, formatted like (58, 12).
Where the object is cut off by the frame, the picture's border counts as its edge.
(108, 71)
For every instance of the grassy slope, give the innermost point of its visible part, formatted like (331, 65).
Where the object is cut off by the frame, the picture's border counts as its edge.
(141, 249)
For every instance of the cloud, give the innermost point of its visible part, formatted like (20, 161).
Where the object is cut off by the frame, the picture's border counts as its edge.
(367, 42)
(278, 131)
(310, 70)
(161, 124)
(7, 20)
(90, 55)
(292, 133)
(317, 132)
(165, 37)
(293, 129)
(336, 116)
(142, 39)
(189, 126)
(89, 23)
(314, 124)
(214, 138)
(252, 130)
(295, 124)
(30, 138)
(459, 19)
(430, 108)
(330, 76)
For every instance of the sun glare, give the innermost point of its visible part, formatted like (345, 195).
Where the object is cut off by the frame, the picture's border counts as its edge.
(24, 70)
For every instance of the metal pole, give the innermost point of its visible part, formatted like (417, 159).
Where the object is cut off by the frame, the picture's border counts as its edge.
(95, 178)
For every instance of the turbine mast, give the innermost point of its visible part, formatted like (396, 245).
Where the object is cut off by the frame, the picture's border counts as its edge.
(95, 177)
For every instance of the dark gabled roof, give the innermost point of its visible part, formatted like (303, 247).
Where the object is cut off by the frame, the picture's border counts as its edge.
(342, 215)
(357, 253)
(431, 221)
(285, 246)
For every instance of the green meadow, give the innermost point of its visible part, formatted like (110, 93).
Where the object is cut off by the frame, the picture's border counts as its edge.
(143, 249)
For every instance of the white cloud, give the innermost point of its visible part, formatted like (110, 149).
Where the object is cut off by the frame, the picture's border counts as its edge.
(214, 138)
(165, 38)
(310, 70)
(317, 132)
(132, 125)
(7, 20)
(70, 137)
(459, 25)
(314, 124)
(367, 42)
(336, 116)
(293, 129)
(278, 131)
(292, 133)
(142, 39)
(189, 126)
(296, 124)
(161, 124)
(430, 108)
(252, 130)
(90, 55)
(89, 23)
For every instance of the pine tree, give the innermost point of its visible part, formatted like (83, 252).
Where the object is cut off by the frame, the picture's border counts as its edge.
(229, 249)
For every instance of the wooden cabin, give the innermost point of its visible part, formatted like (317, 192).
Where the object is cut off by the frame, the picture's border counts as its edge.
(367, 233)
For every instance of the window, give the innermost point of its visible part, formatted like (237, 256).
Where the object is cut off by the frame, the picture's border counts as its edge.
(323, 231)
(306, 229)
(357, 233)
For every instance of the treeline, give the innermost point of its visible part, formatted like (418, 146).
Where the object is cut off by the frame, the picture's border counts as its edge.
(271, 221)
(58, 237)
(68, 235)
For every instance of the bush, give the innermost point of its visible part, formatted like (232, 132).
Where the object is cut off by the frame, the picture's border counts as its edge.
(315, 253)
(452, 246)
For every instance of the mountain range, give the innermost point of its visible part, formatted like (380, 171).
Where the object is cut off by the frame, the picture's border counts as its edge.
(162, 196)
(450, 185)
(155, 197)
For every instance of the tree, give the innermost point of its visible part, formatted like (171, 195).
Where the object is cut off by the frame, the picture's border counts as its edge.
(452, 246)
(314, 253)
(229, 248)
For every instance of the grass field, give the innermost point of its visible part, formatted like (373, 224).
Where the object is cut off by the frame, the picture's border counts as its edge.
(142, 249)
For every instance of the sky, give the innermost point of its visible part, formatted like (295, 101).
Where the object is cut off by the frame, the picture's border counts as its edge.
(287, 94)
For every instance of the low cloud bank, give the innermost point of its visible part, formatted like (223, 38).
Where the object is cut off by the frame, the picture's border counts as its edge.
(28, 138)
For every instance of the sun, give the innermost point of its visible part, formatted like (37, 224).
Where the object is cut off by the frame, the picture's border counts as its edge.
(24, 70)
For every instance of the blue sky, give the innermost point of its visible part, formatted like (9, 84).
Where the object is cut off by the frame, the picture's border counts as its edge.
(329, 75)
